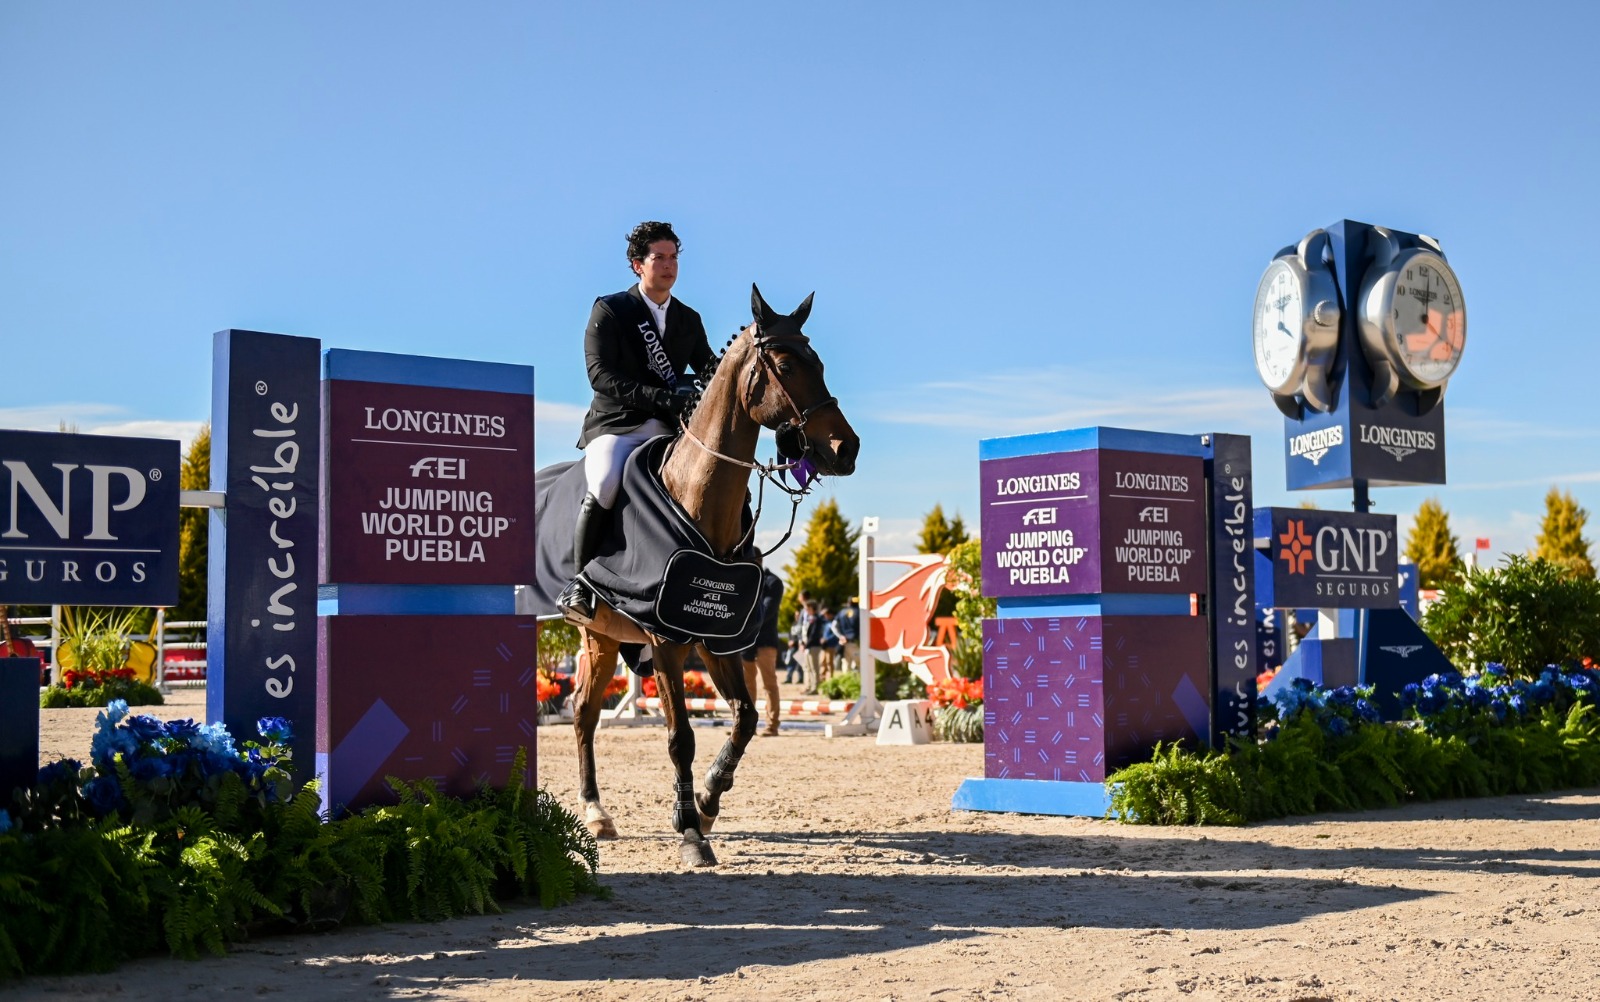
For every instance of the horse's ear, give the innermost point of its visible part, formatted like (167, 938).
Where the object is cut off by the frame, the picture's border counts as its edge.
(801, 312)
(763, 314)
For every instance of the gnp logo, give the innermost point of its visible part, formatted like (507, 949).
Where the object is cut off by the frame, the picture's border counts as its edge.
(57, 516)
(1296, 546)
(87, 520)
(1334, 549)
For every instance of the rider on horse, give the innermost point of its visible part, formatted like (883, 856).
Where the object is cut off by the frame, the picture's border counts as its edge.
(639, 345)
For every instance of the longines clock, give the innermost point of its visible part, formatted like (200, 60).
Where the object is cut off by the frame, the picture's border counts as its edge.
(1413, 320)
(1296, 328)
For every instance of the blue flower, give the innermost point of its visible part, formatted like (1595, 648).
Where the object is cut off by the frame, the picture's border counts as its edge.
(1518, 703)
(5, 822)
(144, 729)
(275, 729)
(62, 769)
(1408, 695)
(103, 794)
(108, 743)
(1494, 668)
(182, 730)
(1343, 696)
(1498, 708)
(214, 738)
(1541, 692)
(148, 767)
(1337, 727)
(1303, 684)
(1580, 682)
(1366, 711)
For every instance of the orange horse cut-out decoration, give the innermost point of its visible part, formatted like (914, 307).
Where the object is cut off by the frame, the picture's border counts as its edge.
(898, 617)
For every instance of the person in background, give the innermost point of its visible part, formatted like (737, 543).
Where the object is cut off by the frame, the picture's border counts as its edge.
(811, 647)
(848, 622)
(762, 657)
(793, 671)
(830, 645)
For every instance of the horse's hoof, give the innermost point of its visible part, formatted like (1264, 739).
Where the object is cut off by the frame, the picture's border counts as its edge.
(697, 854)
(603, 829)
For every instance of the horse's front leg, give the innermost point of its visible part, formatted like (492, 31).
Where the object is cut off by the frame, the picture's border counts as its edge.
(694, 850)
(597, 664)
(727, 674)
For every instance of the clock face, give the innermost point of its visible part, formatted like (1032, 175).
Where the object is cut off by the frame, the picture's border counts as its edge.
(1427, 318)
(1279, 330)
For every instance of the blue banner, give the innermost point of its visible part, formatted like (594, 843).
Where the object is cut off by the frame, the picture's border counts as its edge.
(1232, 596)
(88, 519)
(1329, 559)
(261, 638)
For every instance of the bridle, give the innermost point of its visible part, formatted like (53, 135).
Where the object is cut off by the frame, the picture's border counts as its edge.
(791, 435)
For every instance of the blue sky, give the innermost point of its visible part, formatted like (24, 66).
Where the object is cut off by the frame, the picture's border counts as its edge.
(1016, 217)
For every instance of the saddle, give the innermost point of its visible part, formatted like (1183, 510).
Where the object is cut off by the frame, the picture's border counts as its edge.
(653, 567)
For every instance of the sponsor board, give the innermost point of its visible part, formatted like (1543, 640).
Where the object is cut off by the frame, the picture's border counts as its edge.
(1232, 605)
(427, 485)
(88, 519)
(261, 620)
(1331, 560)
(1093, 521)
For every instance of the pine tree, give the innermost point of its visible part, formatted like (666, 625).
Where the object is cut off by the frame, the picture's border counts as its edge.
(192, 532)
(824, 565)
(1432, 548)
(939, 535)
(1560, 538)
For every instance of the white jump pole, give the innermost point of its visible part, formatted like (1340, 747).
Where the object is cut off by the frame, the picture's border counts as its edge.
(863, 717)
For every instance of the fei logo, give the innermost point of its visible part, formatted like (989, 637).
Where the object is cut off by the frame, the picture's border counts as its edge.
(1039, 516)
(440, 467)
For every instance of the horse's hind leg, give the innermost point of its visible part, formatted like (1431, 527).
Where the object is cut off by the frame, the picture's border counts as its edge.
(727, 674)
(694, 850)
(596, 664)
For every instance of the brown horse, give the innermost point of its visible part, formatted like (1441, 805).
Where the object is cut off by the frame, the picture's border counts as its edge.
(769, 377)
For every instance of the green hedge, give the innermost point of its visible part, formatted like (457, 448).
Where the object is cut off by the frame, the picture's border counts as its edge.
(86, 896)
(1306, 770)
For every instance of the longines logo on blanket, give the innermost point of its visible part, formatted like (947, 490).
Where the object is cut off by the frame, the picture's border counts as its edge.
(1397, 442)
(1313, 445)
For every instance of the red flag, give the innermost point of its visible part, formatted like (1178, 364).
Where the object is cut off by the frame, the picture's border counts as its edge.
(1483, 543)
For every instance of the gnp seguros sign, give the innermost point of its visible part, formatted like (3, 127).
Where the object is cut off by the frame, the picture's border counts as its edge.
(88, 519)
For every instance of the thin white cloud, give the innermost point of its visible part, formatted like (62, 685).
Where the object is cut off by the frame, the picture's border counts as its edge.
(96, 419)
(1543, 480)
(1018, 402)
(51, 417)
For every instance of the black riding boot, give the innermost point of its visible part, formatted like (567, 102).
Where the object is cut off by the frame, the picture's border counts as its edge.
(592, 521)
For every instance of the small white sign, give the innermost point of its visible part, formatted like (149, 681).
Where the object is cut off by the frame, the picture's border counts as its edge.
(869, 524)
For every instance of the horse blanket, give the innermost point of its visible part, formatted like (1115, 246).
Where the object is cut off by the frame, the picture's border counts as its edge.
(653, 565)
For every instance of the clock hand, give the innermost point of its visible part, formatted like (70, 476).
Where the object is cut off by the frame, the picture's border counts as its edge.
(1286, 330)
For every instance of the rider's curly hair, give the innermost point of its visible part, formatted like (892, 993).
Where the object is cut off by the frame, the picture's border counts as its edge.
(645, 234)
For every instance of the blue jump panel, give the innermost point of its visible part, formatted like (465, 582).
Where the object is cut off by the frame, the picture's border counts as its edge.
(1033, 796)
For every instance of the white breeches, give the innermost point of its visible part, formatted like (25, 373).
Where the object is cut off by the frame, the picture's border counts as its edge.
(605, 455)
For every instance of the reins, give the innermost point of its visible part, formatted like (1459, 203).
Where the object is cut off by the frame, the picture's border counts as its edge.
(768, 471)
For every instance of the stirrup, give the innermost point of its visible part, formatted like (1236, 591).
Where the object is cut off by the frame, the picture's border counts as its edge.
(577, 602)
